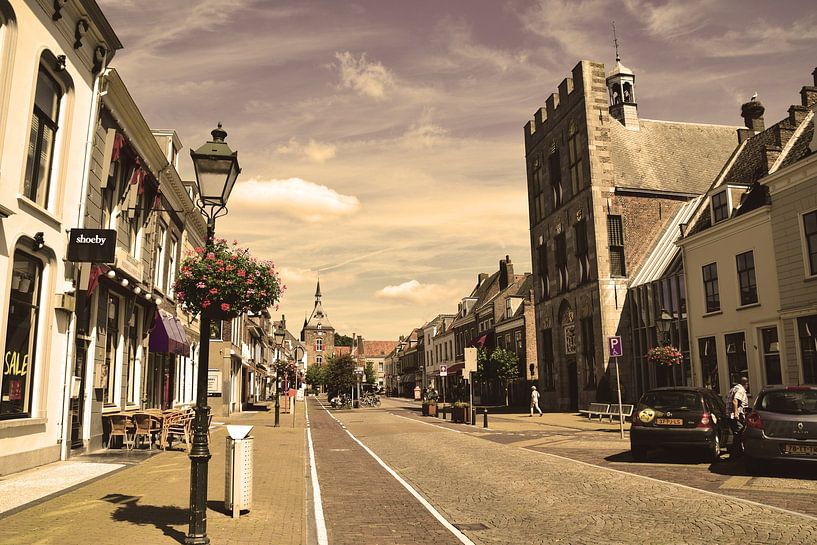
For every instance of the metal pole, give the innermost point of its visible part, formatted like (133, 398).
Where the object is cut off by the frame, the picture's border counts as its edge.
(200, 451)
(277, 396)
(472, 412)
(620, 412)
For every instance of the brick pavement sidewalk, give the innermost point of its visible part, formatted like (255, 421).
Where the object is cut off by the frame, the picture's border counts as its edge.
(148, 503)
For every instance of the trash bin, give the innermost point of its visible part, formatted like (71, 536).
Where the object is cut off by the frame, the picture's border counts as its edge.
(417, 393)
(238, 470)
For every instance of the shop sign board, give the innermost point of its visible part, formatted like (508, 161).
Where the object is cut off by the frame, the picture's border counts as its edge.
(92, 245)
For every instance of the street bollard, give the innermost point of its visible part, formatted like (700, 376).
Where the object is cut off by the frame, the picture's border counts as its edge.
(473, 421)
(485, 417)
(443, 413)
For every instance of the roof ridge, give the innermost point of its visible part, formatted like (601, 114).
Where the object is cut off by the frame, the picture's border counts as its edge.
(692, 123)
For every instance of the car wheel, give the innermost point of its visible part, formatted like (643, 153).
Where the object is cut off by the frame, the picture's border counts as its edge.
(638, 453)
(715, 449)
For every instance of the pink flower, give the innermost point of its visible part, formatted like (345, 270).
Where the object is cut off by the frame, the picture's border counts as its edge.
(201, 285)
(225, 307)
(219, 262)
(235, 243)
(211, 256)
(230, 267)
(199, 250)
(213, 291)
(242, 273)
(206, 303)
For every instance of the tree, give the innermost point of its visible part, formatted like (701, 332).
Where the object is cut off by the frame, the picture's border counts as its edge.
(371, 376)
(342, 340)
(340, 374)
(500, 365)
(316, 375)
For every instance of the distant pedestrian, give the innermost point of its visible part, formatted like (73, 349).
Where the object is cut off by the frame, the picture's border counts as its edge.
(534, 400)
(737, 402)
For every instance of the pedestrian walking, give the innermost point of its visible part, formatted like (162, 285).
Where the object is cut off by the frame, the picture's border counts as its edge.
(738, 402)
(534, 400)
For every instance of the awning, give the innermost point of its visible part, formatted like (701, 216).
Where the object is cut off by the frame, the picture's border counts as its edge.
(480, 341)
(451, 369)
(168, 336)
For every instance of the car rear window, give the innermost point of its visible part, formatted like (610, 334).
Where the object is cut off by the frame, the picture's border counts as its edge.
(789, 401)
(672, 400)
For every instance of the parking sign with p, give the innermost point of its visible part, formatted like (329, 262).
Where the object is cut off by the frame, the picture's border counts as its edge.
(614, 344)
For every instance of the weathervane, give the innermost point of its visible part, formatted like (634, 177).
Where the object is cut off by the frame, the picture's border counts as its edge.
(615, 41)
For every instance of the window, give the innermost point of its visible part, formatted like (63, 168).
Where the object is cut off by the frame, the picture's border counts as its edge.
(318, 345)
(171, 264)
(518, 340)
(546, 367)
(709, 362)
(542, 262)
(615, 238)
(746, 278)
(713, 300)
(215, 330)
(555, 172)
(720, 207)
(107, 377)
(736, 357)
(561, 263)
(19, 354)
(807, 332)
(318, 360)
(574, 156)
(134, 355)
(771, 355)
(537, 191)
(159, 256)
(589, 352)
(380, 367)
(810, 234)
(582, 251)
(42, 139)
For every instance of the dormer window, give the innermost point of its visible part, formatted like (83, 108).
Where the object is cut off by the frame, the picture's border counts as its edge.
(720, 207)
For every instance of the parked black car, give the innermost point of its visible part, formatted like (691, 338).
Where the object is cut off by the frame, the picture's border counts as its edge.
(782, 425)
(680, 417)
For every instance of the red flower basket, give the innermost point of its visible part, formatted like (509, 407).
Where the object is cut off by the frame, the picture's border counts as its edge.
(665, 355)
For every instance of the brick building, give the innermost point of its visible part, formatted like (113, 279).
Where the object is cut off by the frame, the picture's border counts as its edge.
(318, 335)
(603, 185)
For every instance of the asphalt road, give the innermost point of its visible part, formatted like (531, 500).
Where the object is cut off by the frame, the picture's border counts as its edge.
(520, 482)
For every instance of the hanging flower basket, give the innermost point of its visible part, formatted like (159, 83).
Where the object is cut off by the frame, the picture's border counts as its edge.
(665, 355)
(224, 281)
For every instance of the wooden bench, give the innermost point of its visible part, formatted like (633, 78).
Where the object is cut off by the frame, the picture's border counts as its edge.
(597, 409)
(626, 411)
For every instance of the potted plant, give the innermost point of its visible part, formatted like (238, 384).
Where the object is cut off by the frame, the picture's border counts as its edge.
(460, 412)
(224, 281)
(430, 407)
(665, 355)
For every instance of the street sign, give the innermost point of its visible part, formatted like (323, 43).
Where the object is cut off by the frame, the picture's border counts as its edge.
(443, 371)
(470, 362)
(616, 349)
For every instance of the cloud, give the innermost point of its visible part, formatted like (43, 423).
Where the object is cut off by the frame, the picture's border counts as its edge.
(294, 197)
(314, 151)
(414, 292)
(425, 134)
(760, 38)
(670, 20)
(367, 78)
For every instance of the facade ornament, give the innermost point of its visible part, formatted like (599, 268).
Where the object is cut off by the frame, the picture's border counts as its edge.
(579, 214)
(100, 54)
(559, 228)
(58, 5)
(79, 32)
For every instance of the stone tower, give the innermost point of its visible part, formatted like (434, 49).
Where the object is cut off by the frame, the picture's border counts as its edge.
(318, 334)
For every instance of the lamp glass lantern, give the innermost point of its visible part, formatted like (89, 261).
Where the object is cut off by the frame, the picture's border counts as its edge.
(663, 323)
(217, 169)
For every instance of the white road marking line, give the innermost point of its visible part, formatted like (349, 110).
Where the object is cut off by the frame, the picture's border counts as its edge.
(320, 522)
(686, 487)
(426, 423)
(430, 508)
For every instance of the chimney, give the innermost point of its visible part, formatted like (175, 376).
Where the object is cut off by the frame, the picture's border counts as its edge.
(505, 273)
(283, 322)
(752, 113)
(481, 277)
(808, 94)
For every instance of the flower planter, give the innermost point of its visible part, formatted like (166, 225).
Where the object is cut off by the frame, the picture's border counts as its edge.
(429, 409)
(460, 414)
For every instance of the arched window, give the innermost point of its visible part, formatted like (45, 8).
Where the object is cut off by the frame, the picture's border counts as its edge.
(44, 133)
(19, 352)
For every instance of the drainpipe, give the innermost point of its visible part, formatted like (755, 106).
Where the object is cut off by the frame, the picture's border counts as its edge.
(70, 341)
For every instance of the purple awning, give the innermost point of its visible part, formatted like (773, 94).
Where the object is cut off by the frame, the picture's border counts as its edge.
(168, 336)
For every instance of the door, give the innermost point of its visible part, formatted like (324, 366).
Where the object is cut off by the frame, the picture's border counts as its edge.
(77, 404)
(573, 385)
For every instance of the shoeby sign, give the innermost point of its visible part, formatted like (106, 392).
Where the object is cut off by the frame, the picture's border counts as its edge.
(92, 245)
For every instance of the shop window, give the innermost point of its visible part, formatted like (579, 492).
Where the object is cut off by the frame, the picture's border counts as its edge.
(807, 332)
(709, 362)
(810, 235)
(42, 138)
(711, 292)
(771, 355)
(19, 354)
(746, 278)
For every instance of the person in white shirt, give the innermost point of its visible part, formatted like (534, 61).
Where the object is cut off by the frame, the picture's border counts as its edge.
(737, 402)
(534, 401)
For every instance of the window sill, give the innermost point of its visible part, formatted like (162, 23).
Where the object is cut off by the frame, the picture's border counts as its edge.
(43, 215)
(110, 409)
(750, 305)
(713, 313)
(22, 423)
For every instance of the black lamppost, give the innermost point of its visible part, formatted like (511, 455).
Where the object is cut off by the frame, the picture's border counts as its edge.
(279, 336)
(217, 169)
(663, 324)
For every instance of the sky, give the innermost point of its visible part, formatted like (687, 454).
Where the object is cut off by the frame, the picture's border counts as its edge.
(381, 141)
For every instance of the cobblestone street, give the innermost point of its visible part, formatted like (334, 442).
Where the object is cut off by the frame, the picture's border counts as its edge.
(516, 484)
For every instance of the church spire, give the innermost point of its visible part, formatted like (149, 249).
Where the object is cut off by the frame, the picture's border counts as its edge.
(621, 87)
(318, 292)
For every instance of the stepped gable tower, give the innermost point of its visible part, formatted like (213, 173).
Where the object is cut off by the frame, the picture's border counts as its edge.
(318, 335)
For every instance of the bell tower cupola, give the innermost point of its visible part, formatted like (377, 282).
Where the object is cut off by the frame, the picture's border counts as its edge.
(621, 87)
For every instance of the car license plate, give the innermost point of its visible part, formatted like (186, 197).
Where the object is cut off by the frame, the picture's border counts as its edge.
(669, 421)
(808, 450)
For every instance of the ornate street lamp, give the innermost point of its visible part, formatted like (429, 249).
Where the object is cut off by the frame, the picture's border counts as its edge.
(217, 169)
(663, 324)
(278, 336)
